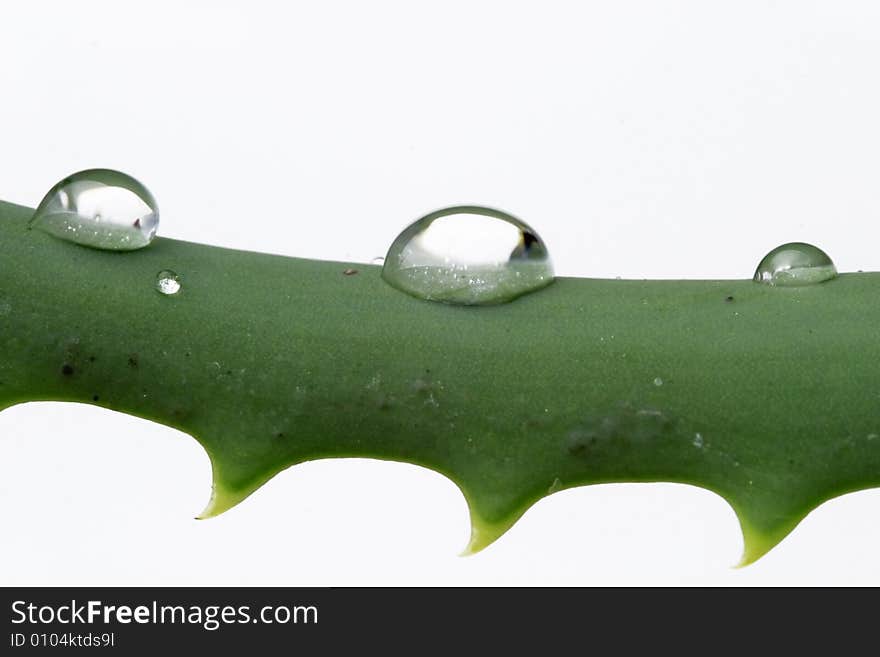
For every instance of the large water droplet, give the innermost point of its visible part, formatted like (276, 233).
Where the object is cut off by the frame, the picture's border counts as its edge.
(468, 255)
(167, 282)
(795, 263)
(101, 208)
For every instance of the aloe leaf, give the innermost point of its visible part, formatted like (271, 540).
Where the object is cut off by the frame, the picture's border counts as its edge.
(768, 396)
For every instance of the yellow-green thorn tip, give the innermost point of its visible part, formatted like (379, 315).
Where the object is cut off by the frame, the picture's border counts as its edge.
(224, 496)
(484, 532)
(222, 499)
(759, 541)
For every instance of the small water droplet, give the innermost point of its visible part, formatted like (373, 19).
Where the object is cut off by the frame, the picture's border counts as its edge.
(698, 440)
(168, 282)
(101, 208)
(658, 382)
(794, 264)
(468, 255)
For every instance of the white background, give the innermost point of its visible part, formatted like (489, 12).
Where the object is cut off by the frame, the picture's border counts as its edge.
(642, 139)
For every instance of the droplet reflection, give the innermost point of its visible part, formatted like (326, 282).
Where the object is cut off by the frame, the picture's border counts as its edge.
(167, 282)
(101, 208)
(793, 264)
(468, 255)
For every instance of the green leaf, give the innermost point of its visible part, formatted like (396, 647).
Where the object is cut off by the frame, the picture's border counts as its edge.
(768, 396)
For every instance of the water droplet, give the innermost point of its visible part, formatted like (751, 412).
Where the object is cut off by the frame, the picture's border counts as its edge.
(469, 256)
(168, 282)
(658, 382)
(794, 264)
(698, 440)
(101, 208)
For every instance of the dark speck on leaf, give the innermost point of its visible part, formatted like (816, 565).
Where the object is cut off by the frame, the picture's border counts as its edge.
(279, 435)
(67, 369)
(137, 223)
(578, 443)
(95, 398)
(133, 361)
(91, 359)
(729, 298)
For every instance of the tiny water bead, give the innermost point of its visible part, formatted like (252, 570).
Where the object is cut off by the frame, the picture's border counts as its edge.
(793, 264)
(167, 282)
(468, 255)
(100, 208)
